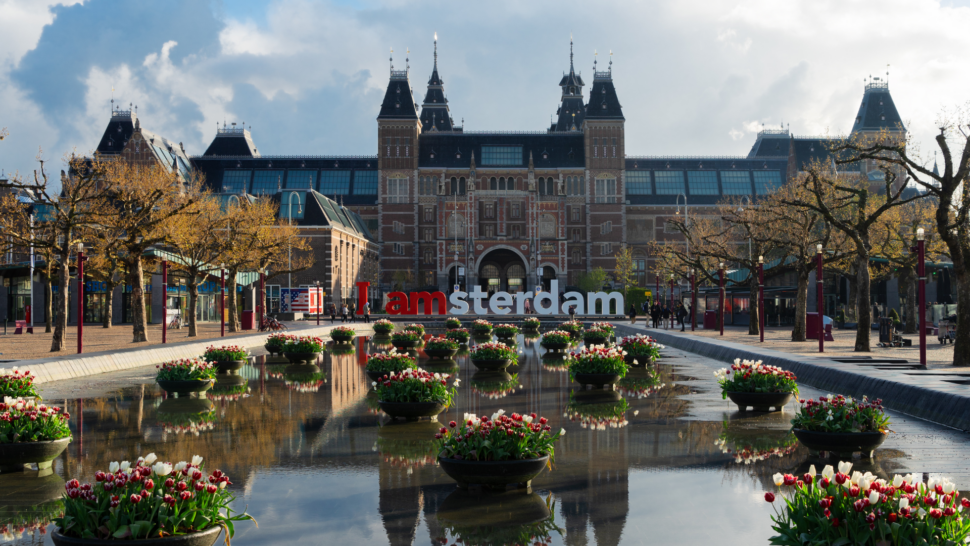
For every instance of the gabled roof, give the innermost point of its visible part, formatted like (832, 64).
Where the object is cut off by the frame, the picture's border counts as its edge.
(398, 99)
(771, 143)
(603, 102)
(232, 141)
(168, 153)
(116, 134)
(323, 211)
(877, 111)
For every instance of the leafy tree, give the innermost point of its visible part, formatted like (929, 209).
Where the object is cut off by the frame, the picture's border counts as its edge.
(592, 281)
(624, 270)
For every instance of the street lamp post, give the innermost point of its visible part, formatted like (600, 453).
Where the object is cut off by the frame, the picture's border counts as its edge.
(656, 298)
(165, 267)
(222, 301)
(289, 247)
(921, 273)
(80, 297)
(319, 303)
(761, 297)
(720, 305)
(693, 309)
(672, 300)
(821, 303)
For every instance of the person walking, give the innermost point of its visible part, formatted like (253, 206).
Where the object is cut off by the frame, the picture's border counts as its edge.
(353, 312)
(665, 315)
(681, 313)
(366, 311)
(655, 315)
(690, 314)
(343, 313)
(528, 308)
(333, 312)
(633, 313)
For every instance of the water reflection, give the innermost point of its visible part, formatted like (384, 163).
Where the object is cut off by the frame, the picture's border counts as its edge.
(316, 461)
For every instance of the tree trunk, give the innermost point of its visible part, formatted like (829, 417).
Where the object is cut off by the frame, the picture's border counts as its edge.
(139, 326)
(961, 349)
(193, 302)
(801, 304)
(63, 302)
(907, 282)
(109, 294)
(852, 299)
(864, 303)
(48, 304)
(231, 300)
(754, 325)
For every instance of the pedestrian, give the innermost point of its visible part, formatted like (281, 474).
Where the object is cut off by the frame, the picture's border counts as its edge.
(343, 313)
(333, 313)
(681, 313)
(665, 315)
(633, 313)
(655, 315)
(367, 312)
(353, 312)
(528, 308)
(690, 314)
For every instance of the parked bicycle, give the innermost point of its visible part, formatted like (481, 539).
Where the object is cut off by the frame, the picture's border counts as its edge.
(176, 323)
(271, 324)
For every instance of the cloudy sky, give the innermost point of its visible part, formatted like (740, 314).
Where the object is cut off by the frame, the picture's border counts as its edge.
(695, 77)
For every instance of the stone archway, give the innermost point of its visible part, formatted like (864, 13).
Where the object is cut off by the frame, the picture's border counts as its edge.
(502, 269)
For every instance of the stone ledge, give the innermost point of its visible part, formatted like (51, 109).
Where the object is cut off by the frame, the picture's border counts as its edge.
(898, 391)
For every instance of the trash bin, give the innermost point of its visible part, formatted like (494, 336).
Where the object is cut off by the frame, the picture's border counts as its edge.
(248, 320)
(811, 325)
(710, 320)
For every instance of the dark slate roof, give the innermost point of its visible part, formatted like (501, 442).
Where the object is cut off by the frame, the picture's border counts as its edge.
(572, 78)
(549, 150)
(323, 211)
(398, 100)
(603, 102)
(570, 114)
(877, 111)
(703, 163)
(435, 114)
(168, 153)
(771, 143)
(232, 141)
(810, 149)
(117, 133)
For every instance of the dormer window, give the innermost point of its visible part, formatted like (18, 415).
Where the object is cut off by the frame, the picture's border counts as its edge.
(572, 90)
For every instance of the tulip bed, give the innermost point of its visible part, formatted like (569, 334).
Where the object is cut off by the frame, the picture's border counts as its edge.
(383, 326)
(418, 328)
(556, 337)
(531, 323)
(275, 342)
(441, 343)
(226, 353)
(841, 414)
(342, 333)
(751, 376)
(494, 351)
(598, 360)
(452, 323)
(596, 336)
(481, 326)
(533, 533)
(303, 345)
(838, 509)
(185, 369)
(16, 384)
(305, 382)
(227, 393)
(460, 335)
(641, 385)
(608, 326)
(499, 438)
(148, 499)
(25, 421)
(407, 335)
(506, 330)
(188, 423)
(416, 386)
(574, 327)
(748, 449)
(641, 347)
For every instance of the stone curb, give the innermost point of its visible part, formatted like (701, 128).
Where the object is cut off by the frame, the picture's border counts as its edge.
(896, 389)
(68, 367)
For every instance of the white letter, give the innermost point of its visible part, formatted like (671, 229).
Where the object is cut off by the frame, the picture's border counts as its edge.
(573, 298)
(520, 298)
(552, 295)
(499, 303)
(458, 300)
(476, 296)
(593, 297)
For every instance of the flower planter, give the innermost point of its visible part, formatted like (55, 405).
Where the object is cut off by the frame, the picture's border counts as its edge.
(202, 538)
(493, 473)
(641, 359)
(342, 338)
(596, 379)
(406, 344)
(375, 376)
(760, 401)
(597, 341)
(491, 364)
(507, 339)
(492, 511)
(596, 397)
(411, 410)
(840, 442)
(14, 456)
(549, 346)
(440, 353)
(274, 349)
(185, 388)
(229, 365)
(185, 406)
(230, 380)
(296, 358)
(531, 327)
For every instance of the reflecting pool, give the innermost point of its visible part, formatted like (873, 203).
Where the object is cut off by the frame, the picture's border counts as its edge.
(660, 460)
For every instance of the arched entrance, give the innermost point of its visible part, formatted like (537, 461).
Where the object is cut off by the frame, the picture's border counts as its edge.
(460, 280)
(548, 275)
(502, 270)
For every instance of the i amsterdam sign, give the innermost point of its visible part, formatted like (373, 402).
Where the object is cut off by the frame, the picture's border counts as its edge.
(501, 303)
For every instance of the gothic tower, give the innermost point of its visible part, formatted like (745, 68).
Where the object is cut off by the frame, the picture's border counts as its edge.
(571, 110)
(435, 115)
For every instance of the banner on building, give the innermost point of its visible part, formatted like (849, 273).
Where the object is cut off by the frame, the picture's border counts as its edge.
(306, 300)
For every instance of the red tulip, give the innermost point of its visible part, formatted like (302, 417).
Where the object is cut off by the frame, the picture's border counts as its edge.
(149, 484)
(185, 495)
(769, 497)
(134, 499)
(835, 522)
(892, 517)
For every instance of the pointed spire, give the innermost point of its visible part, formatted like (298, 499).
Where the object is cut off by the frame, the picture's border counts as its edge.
(571, 53)
(392, 59)
(436, 51)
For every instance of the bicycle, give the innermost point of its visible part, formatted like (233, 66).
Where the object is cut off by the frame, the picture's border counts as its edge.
(271, 324)
(176, 323)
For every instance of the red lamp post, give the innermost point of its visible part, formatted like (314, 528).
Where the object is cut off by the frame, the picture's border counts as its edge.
(261, 304)
(720, 305)
(761, 297)
(921, 273)
(693, 309)
(320, 302)
(80, 297)
(672, 300)
(656, 298)
(821, 301)
(165, 267)
(222, 301)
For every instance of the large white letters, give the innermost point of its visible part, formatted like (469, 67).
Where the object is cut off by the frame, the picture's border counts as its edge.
(477, 296)
(500, 302)
(552, 296)
(458, 300)
(593, 297)
(573, 299)
(520, 298)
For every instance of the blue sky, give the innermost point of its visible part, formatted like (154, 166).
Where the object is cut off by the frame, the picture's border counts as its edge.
(695, 77)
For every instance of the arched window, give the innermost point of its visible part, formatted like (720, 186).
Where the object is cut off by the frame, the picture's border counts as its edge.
(493, 184)
(454, 184)
(515, 271)
(501, 183)
(456, 225)
(550, 186)
(490, 271)
(433, 185)
(461, 186)
(542, 185)
(510, 183)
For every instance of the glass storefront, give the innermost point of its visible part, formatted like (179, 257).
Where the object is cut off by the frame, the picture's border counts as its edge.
(95, 307)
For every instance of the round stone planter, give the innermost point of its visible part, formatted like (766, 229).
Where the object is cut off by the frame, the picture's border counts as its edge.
(550, 346)
(486, 513)
(229, 365)
(14, 456)
(202, 538)
(230, 380)
(301, 369)
(597, 341)
(406, 344)
(493, 473)
(641, 360)
(185, 388)
(508, 340)
(760, 401)
(440, 353)
(274, 350)
(375, 376)
(482, 333)
(491, 364)
(296, 358)
(596, 379)
(342, 338)
(843, 443)
(528, 328)
(599, 396)
(411, 410)
(185, 406)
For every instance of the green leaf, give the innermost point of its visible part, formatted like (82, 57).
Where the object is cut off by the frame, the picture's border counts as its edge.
(122, 532)
(842, 541)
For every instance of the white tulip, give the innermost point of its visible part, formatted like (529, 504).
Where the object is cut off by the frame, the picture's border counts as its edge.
(778, 478)
(948, 488)
(162, 469)
(931, 484)
(125, 465)
(828, 472)
(150, 459)
(180, 466)
(562, 431)
(903, 502)
(811, 471)
(196, 460)
(921, 513)
(113, 467)
(897, 481)
(527, 419)
(873, 497)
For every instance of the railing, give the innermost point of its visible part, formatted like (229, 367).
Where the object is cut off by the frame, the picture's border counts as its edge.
(337, 157)
(877, 85)
(231, 130)
(121, 114)
(773, 132)
(602, 75)
(701, 157)
(498, 133)
(399, 73)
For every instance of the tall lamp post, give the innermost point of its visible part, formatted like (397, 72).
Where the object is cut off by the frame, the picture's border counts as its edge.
(693, 309)
(165, 267)
(656, 298)
(222, 301)
(672, 300)
(319, 303)
(761, 297)
(821, 302)
(720, 305)
(80, 297)
(921, 273)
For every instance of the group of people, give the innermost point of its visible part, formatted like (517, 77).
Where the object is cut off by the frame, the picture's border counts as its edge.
(348, 312)
(660, 314)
